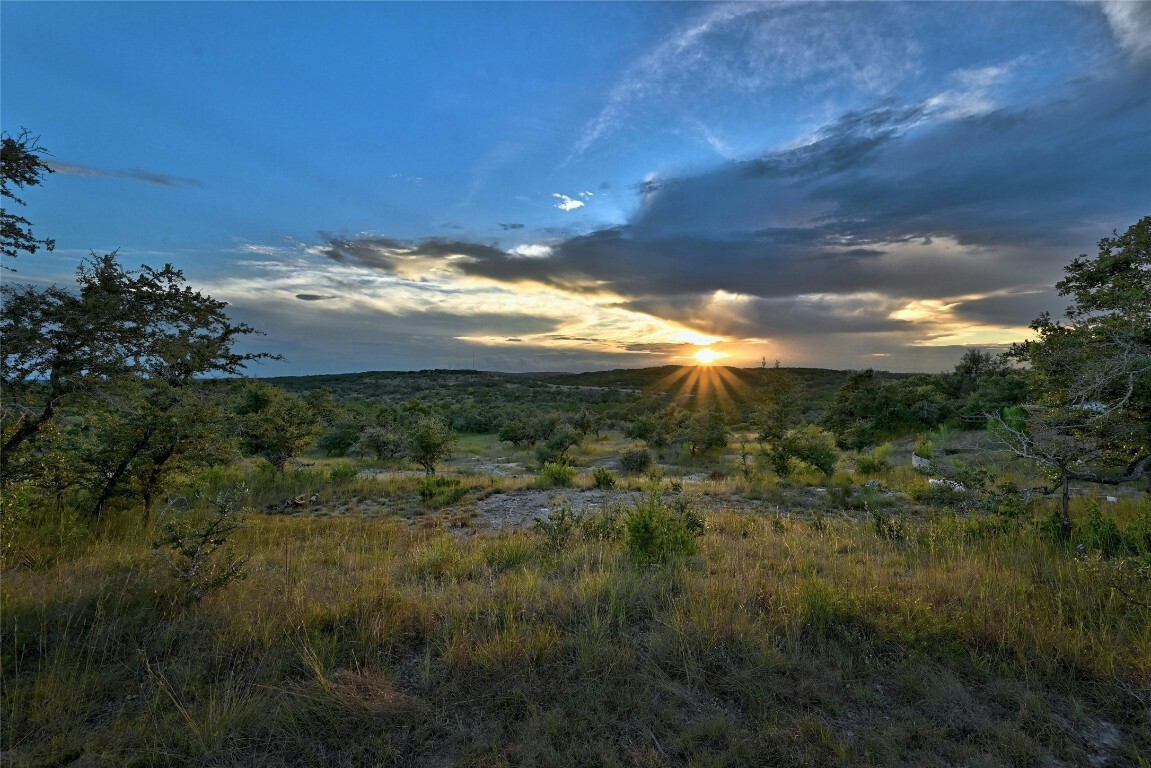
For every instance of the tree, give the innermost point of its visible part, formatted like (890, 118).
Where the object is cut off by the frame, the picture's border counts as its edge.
(275, 425)
(77, 350)
(429, 441)
(780, 411)
(20, 159)
(706, 430)
(1089, 418)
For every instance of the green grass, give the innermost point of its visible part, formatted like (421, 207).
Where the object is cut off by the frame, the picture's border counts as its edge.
(373, 642)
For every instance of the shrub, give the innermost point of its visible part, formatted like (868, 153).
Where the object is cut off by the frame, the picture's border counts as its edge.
(197, 549)
(635, 460)
(557, 475)
(874, 461)
(340, 474)
(559, 525)
(888, 528)
(439, 491)
(923, 446)
(656, 533)
(602, 526)
(604, 479)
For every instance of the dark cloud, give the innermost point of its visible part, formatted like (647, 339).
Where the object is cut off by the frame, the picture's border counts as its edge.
(148, 177)
(313, 297)
(506, 227)
(883, 207)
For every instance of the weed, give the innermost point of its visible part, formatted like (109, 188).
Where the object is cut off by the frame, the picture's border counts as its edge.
(559, 526)
(603, 478)
(889, 528)
(341, 474)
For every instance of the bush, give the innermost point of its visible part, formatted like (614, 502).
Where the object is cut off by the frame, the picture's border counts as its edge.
(197, 548)
(557, 475)
(602, 526)
(874, 461)
(656, 533)
(439, 491)
(340, 474)
(635, 460)
(604, 479)
(888, 528)
(559, 525)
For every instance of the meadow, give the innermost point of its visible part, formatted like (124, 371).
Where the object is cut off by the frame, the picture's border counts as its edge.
(705, 613)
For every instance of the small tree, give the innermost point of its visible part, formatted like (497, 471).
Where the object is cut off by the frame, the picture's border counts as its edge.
(22, 166)
(275, 425)
(429, 441)
(1089, 418)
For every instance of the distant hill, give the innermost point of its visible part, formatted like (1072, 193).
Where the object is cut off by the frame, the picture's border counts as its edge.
(689, 385)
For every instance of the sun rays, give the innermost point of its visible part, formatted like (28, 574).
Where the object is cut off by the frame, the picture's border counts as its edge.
(706, 384)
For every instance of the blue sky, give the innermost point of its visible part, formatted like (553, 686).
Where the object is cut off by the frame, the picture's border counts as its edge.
(569, 186)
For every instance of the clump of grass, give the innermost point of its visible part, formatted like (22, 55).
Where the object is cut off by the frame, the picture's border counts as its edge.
(555, 474)
(603, 478)
(655, 532)
(438, 491)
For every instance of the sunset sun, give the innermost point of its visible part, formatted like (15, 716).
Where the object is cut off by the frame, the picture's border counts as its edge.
(707, 356)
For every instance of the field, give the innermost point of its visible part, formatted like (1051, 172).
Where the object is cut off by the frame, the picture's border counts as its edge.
(704, 612)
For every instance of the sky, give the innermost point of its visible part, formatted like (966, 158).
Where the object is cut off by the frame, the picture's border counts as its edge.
(551, 186)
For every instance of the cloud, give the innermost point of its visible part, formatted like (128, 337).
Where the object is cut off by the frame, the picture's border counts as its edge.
(567, 203)
(746, 50)
(313, 297)
(506, 227)
(1131, 24)
(148, 177)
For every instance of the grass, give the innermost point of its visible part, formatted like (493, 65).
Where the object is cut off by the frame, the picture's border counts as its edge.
(353, 641)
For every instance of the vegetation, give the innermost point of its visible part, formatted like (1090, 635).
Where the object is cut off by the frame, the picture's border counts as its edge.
(21, 165)
(810, 600)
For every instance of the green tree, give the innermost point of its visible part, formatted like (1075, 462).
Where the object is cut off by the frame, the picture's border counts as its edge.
(1089, 416)
(779, 411)
(68, 351)
(275, 425)
(705, 431)
(428, 441)
(22, 166)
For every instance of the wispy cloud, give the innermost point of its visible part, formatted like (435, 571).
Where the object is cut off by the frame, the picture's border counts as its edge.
(1131, 24)
(148, 177)
(749, 49)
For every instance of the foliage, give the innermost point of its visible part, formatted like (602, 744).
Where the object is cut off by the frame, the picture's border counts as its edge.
(554, 450)
(559, 526)
(119, 358)
(655, 532)
(603, 478)
(273, 424)
(705, 431)
(22, 166)
(556, 474)
(874, 461)
(340, 438)
(428, 441)
(1089, 418)
(635, 460)
(438, 491)
(814, 446)
(343, 473)
(199, 552)
(779, 412)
